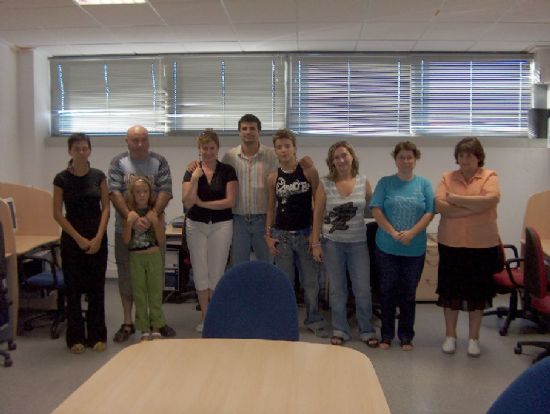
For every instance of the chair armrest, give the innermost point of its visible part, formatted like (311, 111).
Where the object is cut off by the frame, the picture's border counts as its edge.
(513, 248)
(508, 268)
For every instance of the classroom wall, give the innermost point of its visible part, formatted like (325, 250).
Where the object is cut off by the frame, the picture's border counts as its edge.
(9, 148)
(523, 165)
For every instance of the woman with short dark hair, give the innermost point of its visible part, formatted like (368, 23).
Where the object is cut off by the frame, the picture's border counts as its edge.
(403, 206)
(468, 239)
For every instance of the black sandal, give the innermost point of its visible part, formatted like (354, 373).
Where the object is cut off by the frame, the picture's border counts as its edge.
(372, 342)
(126, 329)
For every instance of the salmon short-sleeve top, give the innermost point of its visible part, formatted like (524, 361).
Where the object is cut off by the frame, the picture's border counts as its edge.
(477, 230)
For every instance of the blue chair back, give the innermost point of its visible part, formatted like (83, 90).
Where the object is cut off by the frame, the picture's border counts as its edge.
(253, 300)
(528, 394)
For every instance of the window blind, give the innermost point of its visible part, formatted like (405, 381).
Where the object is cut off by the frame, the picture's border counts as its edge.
(105, 96)
(476, 96)
(351, 95)
(215, 91)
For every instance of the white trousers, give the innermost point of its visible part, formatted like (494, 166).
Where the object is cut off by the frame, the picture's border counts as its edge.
(209, 245)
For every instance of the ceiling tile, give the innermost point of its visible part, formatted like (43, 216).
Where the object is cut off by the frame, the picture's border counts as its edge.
(534, 11)
(321, 45)
(193, 12)
(204, 33)
(402, 10)
(266, 31)
(518, 32)
(331, 11)
(197, 47)
(329, 31)
(85, 36)
(153, 48)
(485, 11)
(125, 15)
(385, 45)
(442, 46)
(270, 46)
(454, 31)
(144, 34)
(25, 4)
(393, 30)
(30, 38)
(496, 46)
(261, 11)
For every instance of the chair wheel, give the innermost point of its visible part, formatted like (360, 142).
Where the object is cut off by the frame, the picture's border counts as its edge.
(12, 346)
(517, 350)
(27, 326)
(8, 362)
(503, 331)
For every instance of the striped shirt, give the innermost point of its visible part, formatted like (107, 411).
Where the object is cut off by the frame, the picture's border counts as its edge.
(252, 174)
(344, 216)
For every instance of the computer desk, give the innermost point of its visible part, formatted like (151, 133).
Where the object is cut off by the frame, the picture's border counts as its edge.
(36, 228)
(237, 376)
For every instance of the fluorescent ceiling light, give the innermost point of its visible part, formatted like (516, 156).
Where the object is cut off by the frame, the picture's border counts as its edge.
(96, 2)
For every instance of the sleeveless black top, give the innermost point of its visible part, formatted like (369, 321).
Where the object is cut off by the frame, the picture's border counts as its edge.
(293, 192)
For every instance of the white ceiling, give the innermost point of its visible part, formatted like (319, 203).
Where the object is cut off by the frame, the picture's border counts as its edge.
(59, 27)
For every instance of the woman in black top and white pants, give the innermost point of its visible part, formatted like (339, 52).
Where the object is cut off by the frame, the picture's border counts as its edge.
(209, 194)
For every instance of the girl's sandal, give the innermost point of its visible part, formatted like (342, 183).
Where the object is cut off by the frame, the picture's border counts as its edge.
(385, 344)
(407, 346)
(337, 340)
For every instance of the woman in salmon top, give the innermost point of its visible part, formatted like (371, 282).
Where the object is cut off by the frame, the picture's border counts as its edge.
(468, 241)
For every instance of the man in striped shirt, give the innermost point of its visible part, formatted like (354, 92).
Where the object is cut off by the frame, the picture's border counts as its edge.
(253, 162)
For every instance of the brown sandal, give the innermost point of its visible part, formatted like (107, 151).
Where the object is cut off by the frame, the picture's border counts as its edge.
(337, 340)
(385, 344)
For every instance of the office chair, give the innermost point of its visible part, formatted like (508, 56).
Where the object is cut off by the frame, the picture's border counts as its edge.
(527, 394)
(253, 300)
(508, 281)
(46, 281)
(537, 300)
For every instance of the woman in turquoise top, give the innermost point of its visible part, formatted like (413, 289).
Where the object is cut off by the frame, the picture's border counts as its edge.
(403, 206)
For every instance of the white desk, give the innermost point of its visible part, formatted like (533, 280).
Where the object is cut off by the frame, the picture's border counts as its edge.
(231, 376)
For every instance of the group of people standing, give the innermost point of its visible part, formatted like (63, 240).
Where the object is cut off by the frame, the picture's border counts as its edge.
(267, 201)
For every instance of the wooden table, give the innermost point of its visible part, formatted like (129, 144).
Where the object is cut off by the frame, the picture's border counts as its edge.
(231, 376)
(25, 244)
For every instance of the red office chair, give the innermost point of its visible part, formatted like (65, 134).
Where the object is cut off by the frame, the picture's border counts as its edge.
(537, 300)
(508, 281)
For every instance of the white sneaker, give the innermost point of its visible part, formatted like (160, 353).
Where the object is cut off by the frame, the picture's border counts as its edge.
(473, 348)
(449, 346)
(198, 328)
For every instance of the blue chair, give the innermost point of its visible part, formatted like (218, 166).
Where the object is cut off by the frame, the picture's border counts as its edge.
(46, 281)
(528, 394)
(253, 300)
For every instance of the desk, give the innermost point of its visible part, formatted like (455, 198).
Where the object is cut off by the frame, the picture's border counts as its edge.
(35, 227)
(25, 244)
(231, 376)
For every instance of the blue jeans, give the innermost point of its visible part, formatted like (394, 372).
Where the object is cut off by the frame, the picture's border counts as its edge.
(355, 258)
(293, 249)
(248, 234)
(399, 277)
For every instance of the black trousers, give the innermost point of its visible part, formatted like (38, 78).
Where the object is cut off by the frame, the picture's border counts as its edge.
(84, 274)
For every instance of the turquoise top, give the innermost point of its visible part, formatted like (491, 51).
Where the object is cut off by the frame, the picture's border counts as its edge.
(403, 204)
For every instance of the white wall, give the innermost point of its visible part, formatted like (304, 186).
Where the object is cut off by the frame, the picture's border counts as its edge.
(523, 165)
(9, 147)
